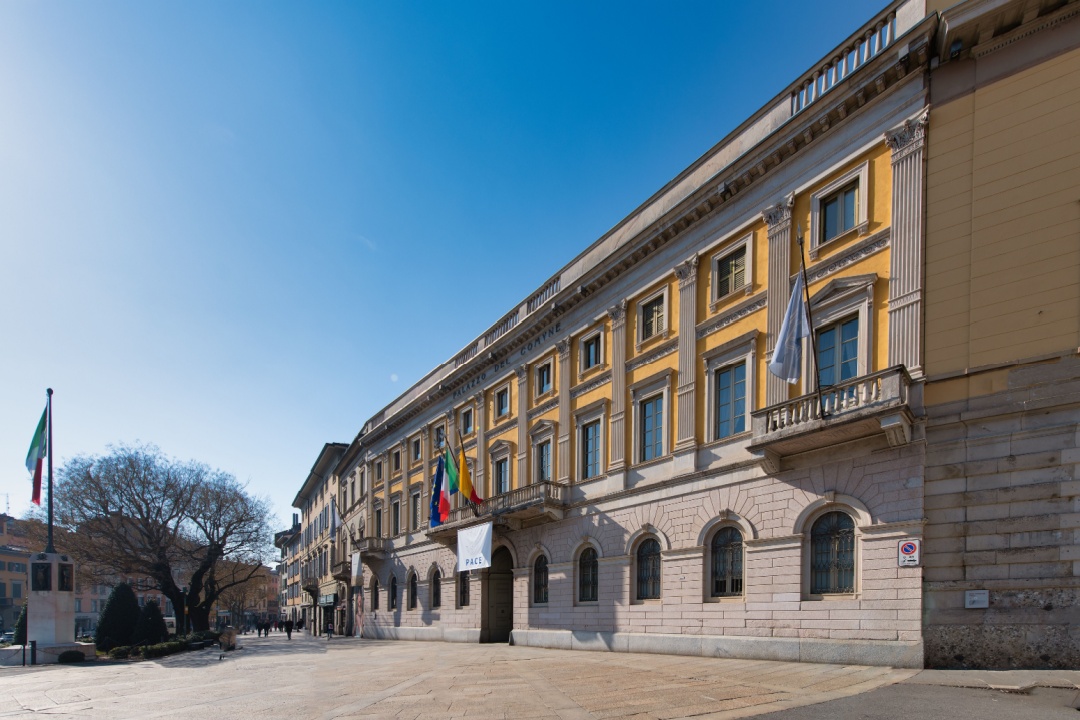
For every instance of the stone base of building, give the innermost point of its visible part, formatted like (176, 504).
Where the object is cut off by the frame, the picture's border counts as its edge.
(46, 654)
(899, 654)
(431, 633)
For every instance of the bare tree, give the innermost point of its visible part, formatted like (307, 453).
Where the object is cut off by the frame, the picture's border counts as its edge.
(137, 511)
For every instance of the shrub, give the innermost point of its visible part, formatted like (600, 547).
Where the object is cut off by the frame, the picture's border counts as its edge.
(119, 653)
(71, 656)
(162, 649)
(118, 619)
(150, 629)
(20, 628)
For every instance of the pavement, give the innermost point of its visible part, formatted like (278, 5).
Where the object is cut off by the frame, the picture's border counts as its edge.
(351, 678)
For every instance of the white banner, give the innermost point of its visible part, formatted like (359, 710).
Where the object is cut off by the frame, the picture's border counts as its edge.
(357, 571)
(474, 547)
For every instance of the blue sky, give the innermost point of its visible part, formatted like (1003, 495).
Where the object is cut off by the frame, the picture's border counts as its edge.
(238, 229)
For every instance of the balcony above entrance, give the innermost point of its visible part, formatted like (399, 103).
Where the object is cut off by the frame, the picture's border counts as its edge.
(526, 506)
(859, 408)
(371, 548)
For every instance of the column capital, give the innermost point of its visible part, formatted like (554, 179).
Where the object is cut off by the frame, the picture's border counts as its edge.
(522, 372)
(907, 136)
(563, 347)
(617, 313)
(686, 272)
(778, 215)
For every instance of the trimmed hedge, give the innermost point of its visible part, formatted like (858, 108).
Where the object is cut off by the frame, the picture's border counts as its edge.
(150, 629)
(71, 656)
(163, 649)
(119, 653)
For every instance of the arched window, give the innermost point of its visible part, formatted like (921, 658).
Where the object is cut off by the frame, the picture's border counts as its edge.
(391, 600)
(412, 592)
(588, 572)
(374, 594)
(648, 570)
(832, 554)
(436, 589)
(540, 580)
(727, 555)
(463, 588)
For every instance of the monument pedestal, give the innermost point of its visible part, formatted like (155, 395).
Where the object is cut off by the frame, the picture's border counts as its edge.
(50, 608)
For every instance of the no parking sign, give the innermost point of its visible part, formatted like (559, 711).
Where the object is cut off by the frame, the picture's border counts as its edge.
(908, 552)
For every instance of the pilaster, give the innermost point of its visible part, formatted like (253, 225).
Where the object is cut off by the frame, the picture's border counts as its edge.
(778, 219)
(481, 444)
(522, 372)
(425, 462)
(617, 436)
(685, 450)
(906, 253)
(562, 459)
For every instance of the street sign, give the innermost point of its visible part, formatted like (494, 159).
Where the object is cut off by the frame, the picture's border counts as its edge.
(908, 552)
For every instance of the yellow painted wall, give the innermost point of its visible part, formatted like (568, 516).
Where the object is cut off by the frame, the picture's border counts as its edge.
(1003, 220)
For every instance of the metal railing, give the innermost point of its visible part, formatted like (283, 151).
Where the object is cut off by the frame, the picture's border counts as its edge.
(545, 493)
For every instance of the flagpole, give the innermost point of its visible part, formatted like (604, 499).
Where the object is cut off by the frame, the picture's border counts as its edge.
(49, 449)
(810, 319)
(461, 444)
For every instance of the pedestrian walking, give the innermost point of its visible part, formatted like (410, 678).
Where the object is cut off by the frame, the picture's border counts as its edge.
(329, 630)
(288, 629)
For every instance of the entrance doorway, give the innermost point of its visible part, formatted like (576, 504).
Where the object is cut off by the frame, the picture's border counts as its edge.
(500, 597)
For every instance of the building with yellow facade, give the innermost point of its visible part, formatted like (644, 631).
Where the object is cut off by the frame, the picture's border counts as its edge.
(653, 487)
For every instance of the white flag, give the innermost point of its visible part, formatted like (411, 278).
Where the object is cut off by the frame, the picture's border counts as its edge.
(786, 361)
(474, 547)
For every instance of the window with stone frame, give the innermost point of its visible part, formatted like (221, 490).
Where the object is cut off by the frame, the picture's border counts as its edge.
(463, 588)
(374, 594)
(412, 591)
(588, 575)
(832, 554)
(436, 589)
(391, 599)
(651, 315)
(540, 581)
(726, 551)
(648, 570)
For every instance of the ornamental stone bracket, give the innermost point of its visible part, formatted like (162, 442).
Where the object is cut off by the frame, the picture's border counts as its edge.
(907, 137)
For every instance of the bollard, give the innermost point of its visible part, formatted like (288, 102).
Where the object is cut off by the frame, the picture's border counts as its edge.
(33, 652)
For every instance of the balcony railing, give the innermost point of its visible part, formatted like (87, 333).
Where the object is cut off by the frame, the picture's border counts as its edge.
(518, 508)
(857, 408)
(373, 546)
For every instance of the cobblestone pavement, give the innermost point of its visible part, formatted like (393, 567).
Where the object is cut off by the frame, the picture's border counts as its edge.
(345, 678)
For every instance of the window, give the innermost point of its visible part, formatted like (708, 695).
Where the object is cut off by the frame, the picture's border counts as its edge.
(832, 554)
(466, 421)
(415, 510)
(591, 352)
(436, 590)
(652, 317)
(838, 352)
(588, 575)
(731, 272)
(648, 570)
(397, 460)
(839, 207)
(652, 428)
(543, 379)
(395, 517)
(378, 522)
(463, 588)
(543, 461)
(540, 581)
(412, 592)
(440, 437)
(78, 605)
(502, 476)
(391, 599)
(378, 471)
(590, 450)
(502, 402)
(730, 401)
(838, 212)
(416, 450)
(727, 554)
(374, 594)
(363, 482)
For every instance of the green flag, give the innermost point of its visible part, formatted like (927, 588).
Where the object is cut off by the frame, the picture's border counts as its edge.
(451, 471)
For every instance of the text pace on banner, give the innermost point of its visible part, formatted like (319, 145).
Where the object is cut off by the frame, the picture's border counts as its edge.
(474, 547)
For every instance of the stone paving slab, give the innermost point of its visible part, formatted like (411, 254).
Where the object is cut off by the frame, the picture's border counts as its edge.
(348, 678)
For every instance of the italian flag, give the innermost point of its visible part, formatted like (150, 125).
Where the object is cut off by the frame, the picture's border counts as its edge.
(38, 450)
